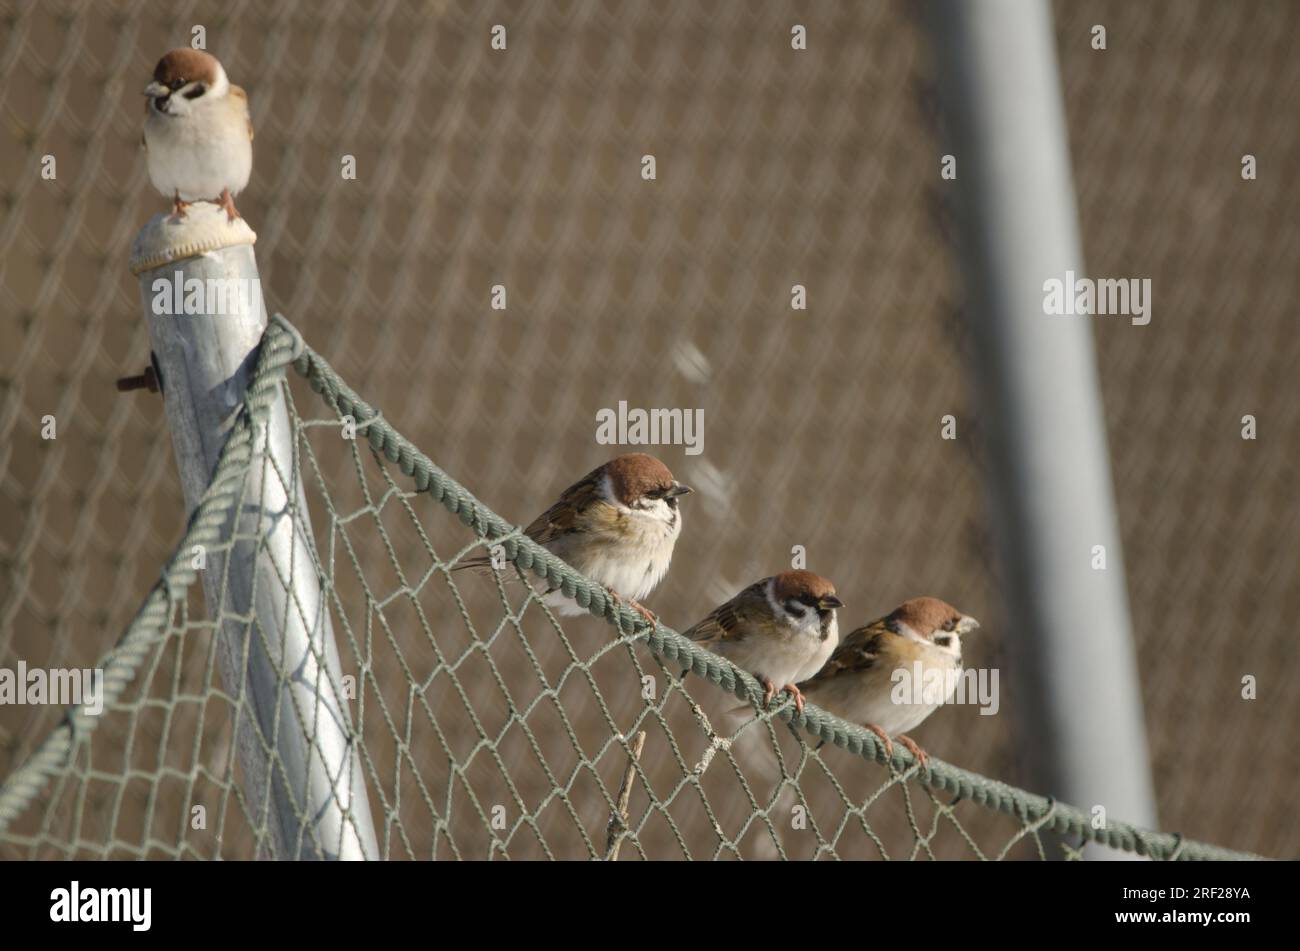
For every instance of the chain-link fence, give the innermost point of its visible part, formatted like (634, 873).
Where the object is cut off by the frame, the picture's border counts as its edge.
(774, 167)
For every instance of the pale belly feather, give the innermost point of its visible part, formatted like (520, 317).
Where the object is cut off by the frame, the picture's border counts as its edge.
(197, 158)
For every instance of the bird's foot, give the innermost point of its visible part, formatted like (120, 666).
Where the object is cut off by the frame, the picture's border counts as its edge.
(769, 689)
(178, 206)
(635, 605)
(227, 203)
(921, 756)
(795, 692)
(642, 610)
(889, 746)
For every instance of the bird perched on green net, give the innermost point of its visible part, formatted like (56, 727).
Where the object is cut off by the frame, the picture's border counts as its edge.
(781, 629)
(617, 525)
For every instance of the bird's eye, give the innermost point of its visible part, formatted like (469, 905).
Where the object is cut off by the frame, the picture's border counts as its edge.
(943, 640)
(175, 84)
(197, 91)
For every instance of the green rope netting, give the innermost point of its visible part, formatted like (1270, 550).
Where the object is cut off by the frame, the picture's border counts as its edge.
(484, 728)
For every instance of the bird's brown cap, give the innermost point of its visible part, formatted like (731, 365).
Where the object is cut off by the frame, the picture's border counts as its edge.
(184, 65)
(806, 586)
(637, 474)
(927, 615)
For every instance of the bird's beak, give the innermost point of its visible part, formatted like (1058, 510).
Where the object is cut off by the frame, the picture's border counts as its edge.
(679, 489)
(829, 603)
(155, 89)
(967, 624)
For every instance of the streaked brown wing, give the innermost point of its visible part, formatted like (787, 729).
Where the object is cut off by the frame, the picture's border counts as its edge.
(560, 519)
(564, 515)
(858, 651)
(732, 620)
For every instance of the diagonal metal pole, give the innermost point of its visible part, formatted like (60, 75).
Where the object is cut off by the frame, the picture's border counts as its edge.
(1078, 703)
(295, 742)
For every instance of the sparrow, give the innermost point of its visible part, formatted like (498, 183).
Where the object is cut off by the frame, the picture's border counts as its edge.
(857, 683)
(781, 629)
(198, 136)
(617, 525)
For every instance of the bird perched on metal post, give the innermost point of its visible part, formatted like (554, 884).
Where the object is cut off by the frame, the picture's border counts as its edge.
(198, 135)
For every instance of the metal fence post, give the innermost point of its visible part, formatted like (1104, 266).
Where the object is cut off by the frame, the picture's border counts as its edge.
(294, 739)
(1078, 704)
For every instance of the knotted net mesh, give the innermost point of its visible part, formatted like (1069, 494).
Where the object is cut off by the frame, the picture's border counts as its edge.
(480, 725)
